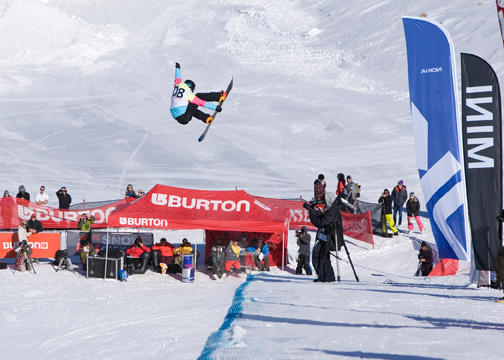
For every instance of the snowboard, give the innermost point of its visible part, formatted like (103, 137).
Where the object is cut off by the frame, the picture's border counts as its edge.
(501, 301)
(228, 90)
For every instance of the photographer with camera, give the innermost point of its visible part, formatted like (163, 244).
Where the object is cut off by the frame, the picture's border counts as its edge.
(303, 260)
(499, 260)
(330, 226)
(23, 249)
(425, 258)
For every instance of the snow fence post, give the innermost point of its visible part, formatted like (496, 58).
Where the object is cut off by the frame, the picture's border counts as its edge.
(106, 255)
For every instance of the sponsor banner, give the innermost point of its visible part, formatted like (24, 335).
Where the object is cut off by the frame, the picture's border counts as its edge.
(13, 211)
(44, 245)
(167, 207)
(116, 240)
(481, 132)
(438, 136)
(500, 15)
(357, 226)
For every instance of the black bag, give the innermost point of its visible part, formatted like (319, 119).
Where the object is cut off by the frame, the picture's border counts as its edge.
(3, 265)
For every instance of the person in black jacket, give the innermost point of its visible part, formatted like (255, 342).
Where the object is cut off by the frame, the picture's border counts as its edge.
(386, 213)
(33, 226)
(399, 196)
(413, 211)
(425, 258)
(303, 261)
(22, 194)
(330, 227)
(64, 198)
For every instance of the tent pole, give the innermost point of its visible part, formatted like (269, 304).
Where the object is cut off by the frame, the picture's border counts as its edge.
(283, 249)
(106, 255)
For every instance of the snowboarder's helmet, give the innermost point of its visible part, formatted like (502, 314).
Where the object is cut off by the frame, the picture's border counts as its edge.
(191, 84)
(123, 275)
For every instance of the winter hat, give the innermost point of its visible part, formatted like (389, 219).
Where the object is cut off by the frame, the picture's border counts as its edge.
(21, 188)
(400, 182)
(6, 192)
(33, 216)
(412, 194)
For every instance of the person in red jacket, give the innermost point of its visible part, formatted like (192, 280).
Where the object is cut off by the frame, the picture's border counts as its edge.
(137, 249)
(166, 250)
(341, 184)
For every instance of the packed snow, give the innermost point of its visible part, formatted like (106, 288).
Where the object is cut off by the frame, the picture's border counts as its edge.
(320, 87)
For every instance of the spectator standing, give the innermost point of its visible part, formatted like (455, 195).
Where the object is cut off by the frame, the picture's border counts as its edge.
(399, 197)
(341, 184)
(319, 188)
(84, 225)
(22, 232)
(413, 211)
(33, 226)
(87, 250)
(6, 193)
(64, 198)
(130, 192)
(42, 197)
(23, 194)
(232, 258)
(218, 259)
(350, 190)
(327, 223)
(425, 258)
(386, 213)
(303, 261)
(499, 269)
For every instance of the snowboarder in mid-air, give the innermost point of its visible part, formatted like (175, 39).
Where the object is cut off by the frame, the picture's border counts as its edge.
(184, 103)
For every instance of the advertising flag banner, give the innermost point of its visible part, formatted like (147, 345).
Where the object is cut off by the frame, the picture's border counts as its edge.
(481, 130)
(438, 137)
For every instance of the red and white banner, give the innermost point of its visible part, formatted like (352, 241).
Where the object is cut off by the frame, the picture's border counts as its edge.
(356, 226)
(500, 15)
(167, 207)
(44, 245)
(13, 211)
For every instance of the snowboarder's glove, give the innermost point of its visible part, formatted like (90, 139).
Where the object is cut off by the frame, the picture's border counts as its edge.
(177, 65)
(218, 108)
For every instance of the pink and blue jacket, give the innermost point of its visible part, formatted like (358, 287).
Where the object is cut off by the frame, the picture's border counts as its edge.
(182, 96)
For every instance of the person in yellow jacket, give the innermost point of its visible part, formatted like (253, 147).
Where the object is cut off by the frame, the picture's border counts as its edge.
(183, 249)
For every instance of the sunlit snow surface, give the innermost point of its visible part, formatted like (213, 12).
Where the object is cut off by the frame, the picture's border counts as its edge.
(320, 87)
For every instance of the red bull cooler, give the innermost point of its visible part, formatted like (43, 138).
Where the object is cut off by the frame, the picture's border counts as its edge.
(187, 268)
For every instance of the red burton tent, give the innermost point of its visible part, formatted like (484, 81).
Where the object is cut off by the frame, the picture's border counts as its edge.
(167, 207)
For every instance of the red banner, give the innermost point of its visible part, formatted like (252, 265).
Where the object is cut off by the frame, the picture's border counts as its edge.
(13, 211)
(356, 226)
(44, 245)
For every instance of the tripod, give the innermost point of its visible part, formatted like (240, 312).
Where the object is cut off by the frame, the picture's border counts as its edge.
(28, 262)
(349, 259)
(65, 262)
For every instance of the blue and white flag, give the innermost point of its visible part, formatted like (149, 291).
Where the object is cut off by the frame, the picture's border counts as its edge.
(438, 137)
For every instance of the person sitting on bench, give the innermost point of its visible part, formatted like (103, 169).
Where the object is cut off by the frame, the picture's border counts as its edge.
(162, 253)
(137, 251)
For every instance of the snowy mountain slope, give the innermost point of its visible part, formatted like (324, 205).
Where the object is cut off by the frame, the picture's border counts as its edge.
(320, 87)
